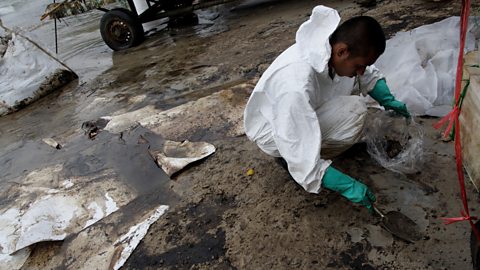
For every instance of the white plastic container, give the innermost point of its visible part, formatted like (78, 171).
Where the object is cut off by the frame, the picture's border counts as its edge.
(140, 6)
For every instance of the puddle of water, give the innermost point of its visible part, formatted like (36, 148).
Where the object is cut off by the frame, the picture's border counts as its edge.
(24, 14)
(80, 45)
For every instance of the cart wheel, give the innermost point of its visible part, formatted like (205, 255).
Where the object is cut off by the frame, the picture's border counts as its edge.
(475, 248)
(120, 29)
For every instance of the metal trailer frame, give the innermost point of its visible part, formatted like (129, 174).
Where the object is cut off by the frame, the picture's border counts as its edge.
(122, 28)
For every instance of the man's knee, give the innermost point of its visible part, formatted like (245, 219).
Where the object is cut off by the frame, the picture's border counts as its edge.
(342, 122)
(349, 105)
(341, 116)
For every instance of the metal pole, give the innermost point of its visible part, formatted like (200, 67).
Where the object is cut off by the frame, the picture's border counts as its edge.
(56, 38)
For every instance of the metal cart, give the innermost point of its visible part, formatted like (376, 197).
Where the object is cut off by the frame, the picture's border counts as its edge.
(122, 28)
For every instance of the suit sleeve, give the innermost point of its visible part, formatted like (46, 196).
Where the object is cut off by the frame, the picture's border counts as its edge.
(368, 80)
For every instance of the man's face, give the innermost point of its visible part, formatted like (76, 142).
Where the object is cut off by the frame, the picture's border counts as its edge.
(347, 65)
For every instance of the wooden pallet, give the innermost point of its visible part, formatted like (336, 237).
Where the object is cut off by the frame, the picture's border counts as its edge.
(470, 118)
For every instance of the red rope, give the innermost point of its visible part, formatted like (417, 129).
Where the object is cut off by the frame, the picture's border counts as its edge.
(453, 119)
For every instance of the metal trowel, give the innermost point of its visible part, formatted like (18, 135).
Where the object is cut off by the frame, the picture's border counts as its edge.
(399, 225)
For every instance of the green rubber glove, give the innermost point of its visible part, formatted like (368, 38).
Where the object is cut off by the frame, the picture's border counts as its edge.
(350, 188)
(382, 95)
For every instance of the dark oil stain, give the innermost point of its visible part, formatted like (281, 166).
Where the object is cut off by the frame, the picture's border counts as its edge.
(193, 232)
(406, 20)
(210, 248)
(393, 148)
(136, 74)
(355, 257)
(475, 247)
(122, 153)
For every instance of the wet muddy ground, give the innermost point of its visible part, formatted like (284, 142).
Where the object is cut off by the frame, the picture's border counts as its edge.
(220, 218)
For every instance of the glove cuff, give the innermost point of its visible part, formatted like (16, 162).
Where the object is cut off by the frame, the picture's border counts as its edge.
(381, 93)
(348, 187)
(337, 181)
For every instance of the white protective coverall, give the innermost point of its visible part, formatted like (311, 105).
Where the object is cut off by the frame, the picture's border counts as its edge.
(296, 109)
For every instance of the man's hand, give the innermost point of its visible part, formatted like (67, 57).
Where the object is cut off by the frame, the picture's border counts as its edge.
(368, 199)
(381, 93)
(350, 188)
(398, 107)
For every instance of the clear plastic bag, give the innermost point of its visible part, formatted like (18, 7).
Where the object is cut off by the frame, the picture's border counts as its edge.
(394, 142)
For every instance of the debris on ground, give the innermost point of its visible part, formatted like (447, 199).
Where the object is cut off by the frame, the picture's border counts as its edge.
(72, 7)
(52, 143)
(175, 156)
(92, 128)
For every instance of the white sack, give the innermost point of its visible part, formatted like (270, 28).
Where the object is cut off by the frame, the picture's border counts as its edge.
(420, 65)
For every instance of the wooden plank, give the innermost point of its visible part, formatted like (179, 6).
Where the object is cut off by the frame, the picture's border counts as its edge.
(470, 119)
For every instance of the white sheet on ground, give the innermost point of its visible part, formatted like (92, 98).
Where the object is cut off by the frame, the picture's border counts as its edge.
(129, 241)
(46, 206)
(177, 155)
(420, 65)
(27, 73)
(115, 239)
(14, 261)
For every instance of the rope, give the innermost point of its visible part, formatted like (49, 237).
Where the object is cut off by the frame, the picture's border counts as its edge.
(454, 122)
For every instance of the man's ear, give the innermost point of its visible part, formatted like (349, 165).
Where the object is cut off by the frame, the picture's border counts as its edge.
(341, 50)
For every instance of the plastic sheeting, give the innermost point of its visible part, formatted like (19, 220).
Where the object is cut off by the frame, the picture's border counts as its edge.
(46, 206)
(420, 65)
(177, 155)
(129, 241)
(14, 261)
(395, 143)
(27, 73)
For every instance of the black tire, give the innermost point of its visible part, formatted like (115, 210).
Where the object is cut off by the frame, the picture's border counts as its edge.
(120, 29)
(475, 248)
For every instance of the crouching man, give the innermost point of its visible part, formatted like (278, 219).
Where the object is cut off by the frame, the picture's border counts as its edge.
(303, 110)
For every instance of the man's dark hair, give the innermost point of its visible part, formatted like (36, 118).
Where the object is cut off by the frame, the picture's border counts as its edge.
(363, 36)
